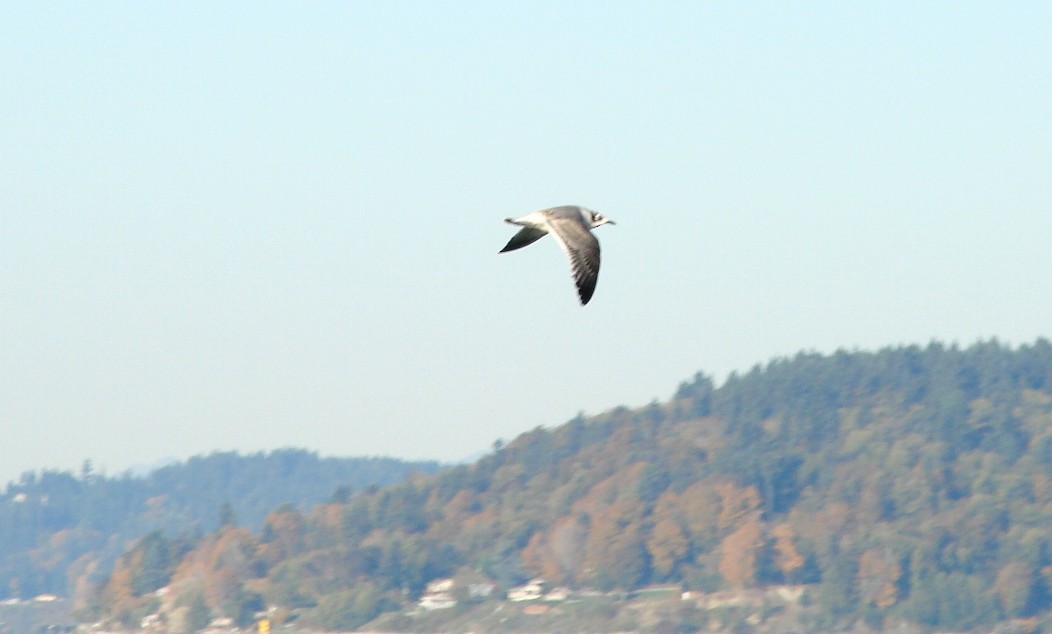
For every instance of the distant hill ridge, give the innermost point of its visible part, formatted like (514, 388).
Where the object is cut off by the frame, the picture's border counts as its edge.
(908, 484)
(51, 519)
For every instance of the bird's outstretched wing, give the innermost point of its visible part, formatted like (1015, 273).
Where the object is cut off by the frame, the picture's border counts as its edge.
(581, 248)
(525, 236)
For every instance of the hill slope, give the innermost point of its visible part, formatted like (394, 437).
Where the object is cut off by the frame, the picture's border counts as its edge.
(906, 484)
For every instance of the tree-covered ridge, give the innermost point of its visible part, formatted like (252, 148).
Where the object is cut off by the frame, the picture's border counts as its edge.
(56, 527)
(913, 483)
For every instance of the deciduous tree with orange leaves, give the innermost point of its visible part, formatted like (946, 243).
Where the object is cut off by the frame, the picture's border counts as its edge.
(787, 557)
(738, 553)
(878, 576)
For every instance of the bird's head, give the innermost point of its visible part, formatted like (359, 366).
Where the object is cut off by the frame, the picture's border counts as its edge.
(600, 219)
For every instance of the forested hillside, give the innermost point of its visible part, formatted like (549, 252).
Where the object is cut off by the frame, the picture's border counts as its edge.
(910, 484)
(57, 527)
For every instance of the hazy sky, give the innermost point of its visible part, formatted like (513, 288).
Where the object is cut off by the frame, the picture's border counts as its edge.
(248, 225)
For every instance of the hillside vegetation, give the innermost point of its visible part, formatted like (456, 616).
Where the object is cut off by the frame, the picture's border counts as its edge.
(909, 484)
(58, 529)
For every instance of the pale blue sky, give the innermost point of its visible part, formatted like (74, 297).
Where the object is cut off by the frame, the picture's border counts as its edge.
(255, 225)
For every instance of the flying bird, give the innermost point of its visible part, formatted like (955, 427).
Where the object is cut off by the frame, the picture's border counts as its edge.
(571, 226)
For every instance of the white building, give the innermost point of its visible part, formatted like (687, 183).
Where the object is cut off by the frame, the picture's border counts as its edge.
(437, 601)
(529, 592)
(439, 585)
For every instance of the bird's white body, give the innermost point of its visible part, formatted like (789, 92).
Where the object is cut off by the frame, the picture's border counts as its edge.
(571, 226)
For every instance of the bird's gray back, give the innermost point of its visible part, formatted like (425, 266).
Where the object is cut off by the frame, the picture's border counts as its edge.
(569, 212)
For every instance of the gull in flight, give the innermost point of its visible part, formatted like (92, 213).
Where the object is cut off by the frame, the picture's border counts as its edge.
(571, 226)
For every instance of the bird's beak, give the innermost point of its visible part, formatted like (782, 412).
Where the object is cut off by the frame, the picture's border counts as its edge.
(610, 222)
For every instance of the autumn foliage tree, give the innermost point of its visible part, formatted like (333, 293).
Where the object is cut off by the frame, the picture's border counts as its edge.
(738, 553)
(788, 558)
(668, 546)
(879, 573)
